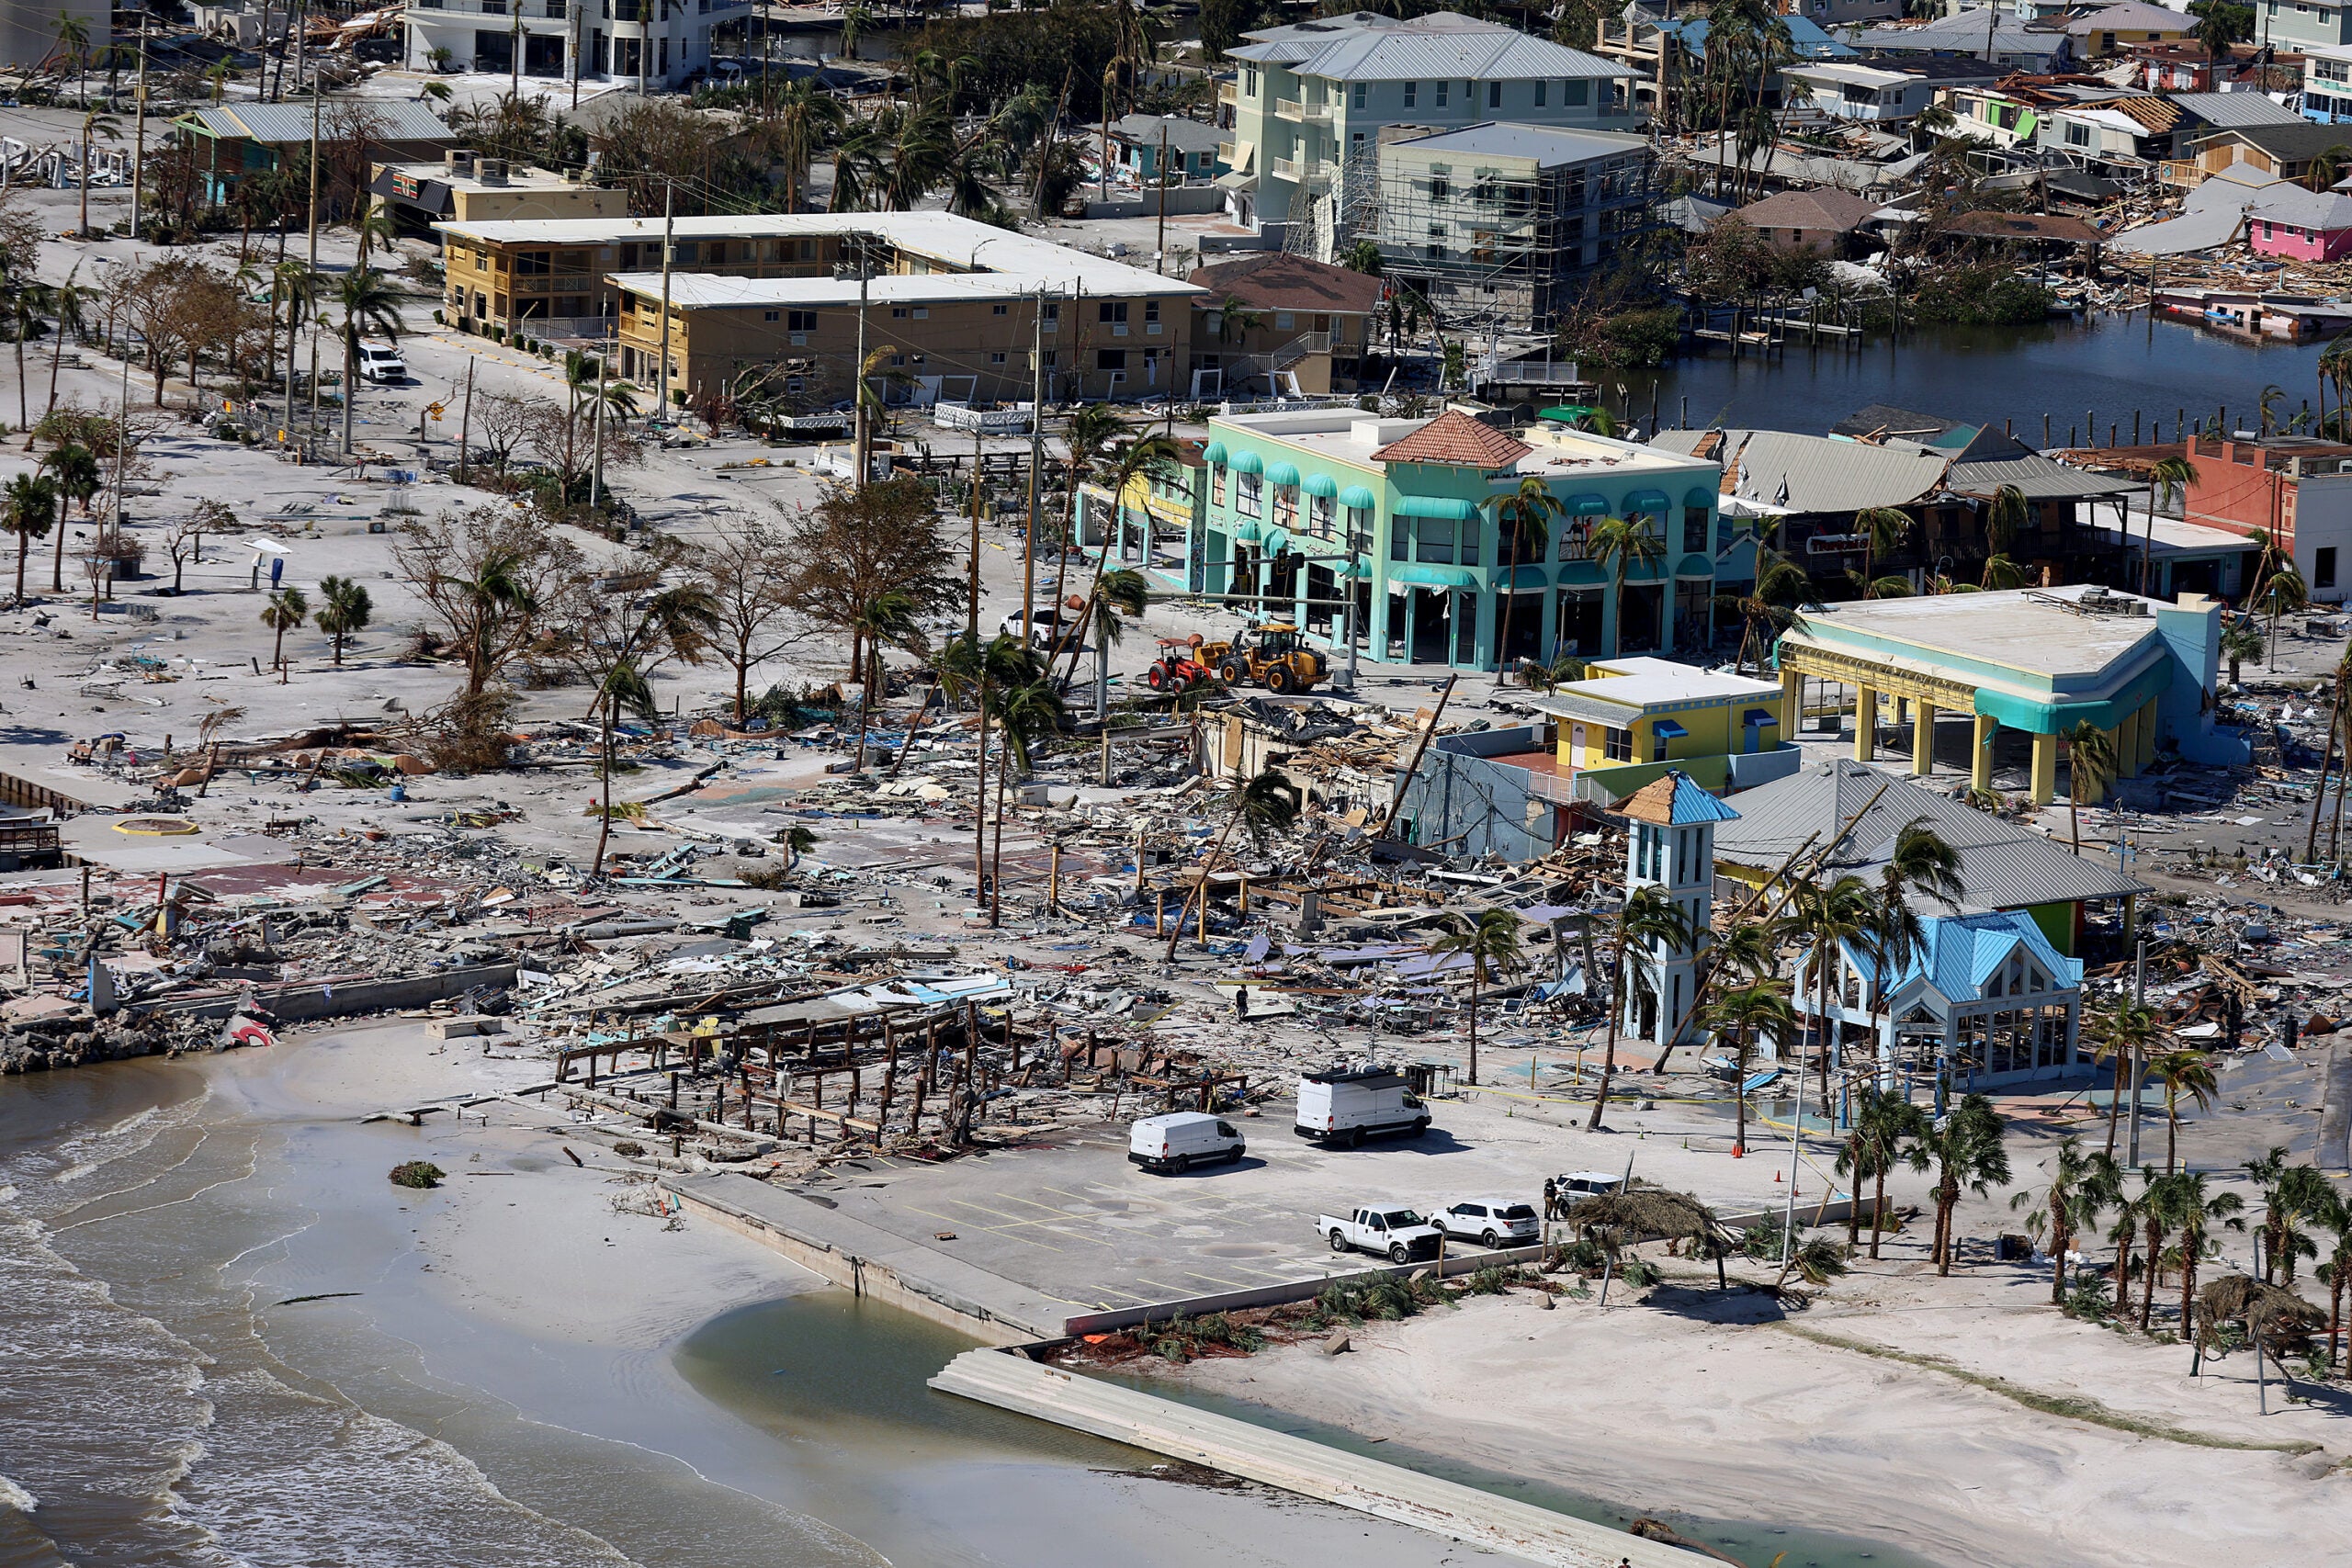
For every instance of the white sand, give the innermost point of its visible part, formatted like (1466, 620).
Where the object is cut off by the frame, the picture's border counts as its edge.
(1657, 1406)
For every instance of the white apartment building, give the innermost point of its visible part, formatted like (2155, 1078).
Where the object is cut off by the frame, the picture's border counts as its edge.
(660, 42)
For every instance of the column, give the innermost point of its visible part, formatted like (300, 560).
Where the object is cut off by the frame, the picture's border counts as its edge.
(1923, 738)
(1792, 704)
(1980, 754)
(2046, 768)
(2148, 733)
(2130, 916)
(1865, 724)
(2127, 746)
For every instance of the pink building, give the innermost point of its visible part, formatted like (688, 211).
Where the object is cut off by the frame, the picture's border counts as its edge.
(2300, 225)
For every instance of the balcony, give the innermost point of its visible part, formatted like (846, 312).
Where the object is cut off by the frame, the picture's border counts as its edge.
(1318, 111)
(1285, 169)
(1228, 93)
(1290, 110)
(1226, 153)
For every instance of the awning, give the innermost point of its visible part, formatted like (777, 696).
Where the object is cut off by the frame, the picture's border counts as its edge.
(1320, 484)
(1237, 182)
(1357, 567)
(1647, 501)
(1527, 574)
(1699, 498)
(1667, 729)
(1244, 153)
(1436, 506)
(1247, 463)
(1432, 576)
(1245, 533)
(1567, 414)
(1759, 717)
(1356, 495)
(1274, 540)
(1694, 566)
(1588, 506)
(1213, 453)
(1280, 473)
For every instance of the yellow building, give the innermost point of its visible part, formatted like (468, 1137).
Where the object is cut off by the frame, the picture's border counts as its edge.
(465, 188)
(1632, 718)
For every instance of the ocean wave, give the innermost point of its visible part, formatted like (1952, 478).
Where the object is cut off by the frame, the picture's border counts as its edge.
(75, 1172)
(15, 1496)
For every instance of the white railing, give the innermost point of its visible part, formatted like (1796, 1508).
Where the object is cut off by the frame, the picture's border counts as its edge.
(985, 421)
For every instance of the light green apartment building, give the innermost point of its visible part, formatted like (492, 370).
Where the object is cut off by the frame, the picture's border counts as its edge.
(1310, 100)
(1308, 510)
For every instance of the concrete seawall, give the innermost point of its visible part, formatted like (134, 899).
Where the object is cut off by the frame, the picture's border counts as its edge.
(1141, 1420)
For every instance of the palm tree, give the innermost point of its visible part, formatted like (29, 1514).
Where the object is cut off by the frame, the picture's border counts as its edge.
(2169, 478)
(676, 623)
(367, 301)
(1121, 596)
(286, 610)
(96, 122)
(1529, 510)
(2240, 642)
(2069, 1205)
(2193, 1213)
(1751, 949)
(1623, 544)
(343, 610)
(2001, 572)
(2283, 594)
(2008, 517)
(1745, 1016)
(2335, 1215)
(974, 670)
(2272, 396)
(1829, 918)
(1492, 944)
(1921, 861)
(2182, 1073)
(2091, 762)
(67, 300)
(1152, 458)
(2124, 1031)
(2156, 1209)
(1883, 529)
(1885, 1131)
(1268, 804)
(27, 508)
(2292, 1196)
(1769, 607)
(2130, 1214)
(1651, 920)
(78, 480)
(1966, 1148)
(27, 303)
(891, 619)
(804, 115)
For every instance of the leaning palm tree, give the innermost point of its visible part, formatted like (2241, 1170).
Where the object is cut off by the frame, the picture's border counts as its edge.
(1652, 921)
(2069, 1205)
(1492, 943)
(2123, 1031)
(27, 303)
(78, 480)
(2091, 764)
(1144, 457)
(1883, 529)
(1119, 597)
(970, 669)
(890, 619)
(286, 610)
(1770, 606)
(1530, 511)
(1266, 804)
(1830, 919)
(2188, 1073)
(1623, 545)
(2007, 518)
(67, 300)
(1918, 862)
(367, 301)
(2169, 478)
(2001, 572)
(1885, 1133)
(2283, 594)
(1745, 1017)
(1025, 714)
(96, 122)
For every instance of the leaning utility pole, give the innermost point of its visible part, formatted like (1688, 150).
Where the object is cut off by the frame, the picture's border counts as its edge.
(1036, 461)
(662, 378)
(139, 137)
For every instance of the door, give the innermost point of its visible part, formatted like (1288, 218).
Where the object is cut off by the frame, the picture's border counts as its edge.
(1466, 628)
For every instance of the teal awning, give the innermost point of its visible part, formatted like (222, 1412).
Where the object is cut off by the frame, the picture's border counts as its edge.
(1213, 454)
(1281, 473)
(1436, 506)
(1647, 501)
(1432, 576)
(1694, 566)
(1355, 495)
(1527, 575)
(1246, 533)
(1357, 567)
(1321, 484)
(1274, 540)
(1588, 506)
(1705, 498)
(1247, 463)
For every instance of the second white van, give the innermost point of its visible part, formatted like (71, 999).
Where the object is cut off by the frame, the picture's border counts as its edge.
(1183, 1139)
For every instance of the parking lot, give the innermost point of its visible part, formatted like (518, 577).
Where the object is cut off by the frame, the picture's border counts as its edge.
(1072, 1221)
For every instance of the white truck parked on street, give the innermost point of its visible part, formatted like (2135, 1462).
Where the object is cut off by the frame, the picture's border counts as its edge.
(1341, 1109)
(1399, 1234)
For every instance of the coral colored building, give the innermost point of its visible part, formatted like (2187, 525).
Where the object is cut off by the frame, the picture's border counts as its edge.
(2296, 488)
(2300, 225)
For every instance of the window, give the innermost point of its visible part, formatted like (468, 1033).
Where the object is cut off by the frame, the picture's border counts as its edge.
(1572, 94)
(1434, 539)
(803, 322)
(1618, 746)
(1400, 538)
(2323, 567)
(1358, 95)
(1694, 528)
(1245, 494)
(1216, 485)
(1658, 745)
(771, 315)
(1053, 315)
(995, 356)
(1151, 315)
(1112, 310)
(1283, 321)
(1412, 90)
(998, 309)
(898, 312)
(1539, 93)
(533, 263)
(1249, 81)
(1053, 357)
(2077, 135)
(1111, 359)
(1443, 87)
(1494, 94)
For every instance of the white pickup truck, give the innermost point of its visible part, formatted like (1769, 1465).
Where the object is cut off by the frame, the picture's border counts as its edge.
(1399, 1234)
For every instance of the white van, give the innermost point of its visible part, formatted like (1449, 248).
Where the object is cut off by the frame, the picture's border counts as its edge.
(1183, 1139)
(1344, 1109)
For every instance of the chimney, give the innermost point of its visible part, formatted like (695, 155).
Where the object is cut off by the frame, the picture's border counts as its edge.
(458, 161)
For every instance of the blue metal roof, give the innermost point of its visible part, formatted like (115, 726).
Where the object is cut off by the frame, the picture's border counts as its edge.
(1960, 952)
(1692, 804)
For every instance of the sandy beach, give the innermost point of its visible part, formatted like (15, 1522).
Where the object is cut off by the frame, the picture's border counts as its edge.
(1717, 1405)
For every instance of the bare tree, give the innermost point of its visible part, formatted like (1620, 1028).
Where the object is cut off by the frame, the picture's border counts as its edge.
(486, 574)
(184, 537)
(502, 422)
(751, 589)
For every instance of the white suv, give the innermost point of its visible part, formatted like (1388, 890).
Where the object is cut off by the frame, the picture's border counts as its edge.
(381, 364)
(1491, 1222)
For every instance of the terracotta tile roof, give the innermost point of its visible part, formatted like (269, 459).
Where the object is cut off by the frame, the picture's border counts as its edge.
(1455, 439)
(1275, 281)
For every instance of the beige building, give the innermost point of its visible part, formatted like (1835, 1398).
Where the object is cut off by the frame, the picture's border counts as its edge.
(1276, 324)
(467, 188)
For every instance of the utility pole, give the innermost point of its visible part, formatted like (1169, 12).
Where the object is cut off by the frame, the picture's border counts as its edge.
(595, 473)
(1036, 461)
(861, 430)
(315, 172)
(575, 57)
(466, 422)
(139, 138)
(645, 55)
(1159, 243)
(661, 381)
(972, 604)
(2139, 1061)
(515, 56)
